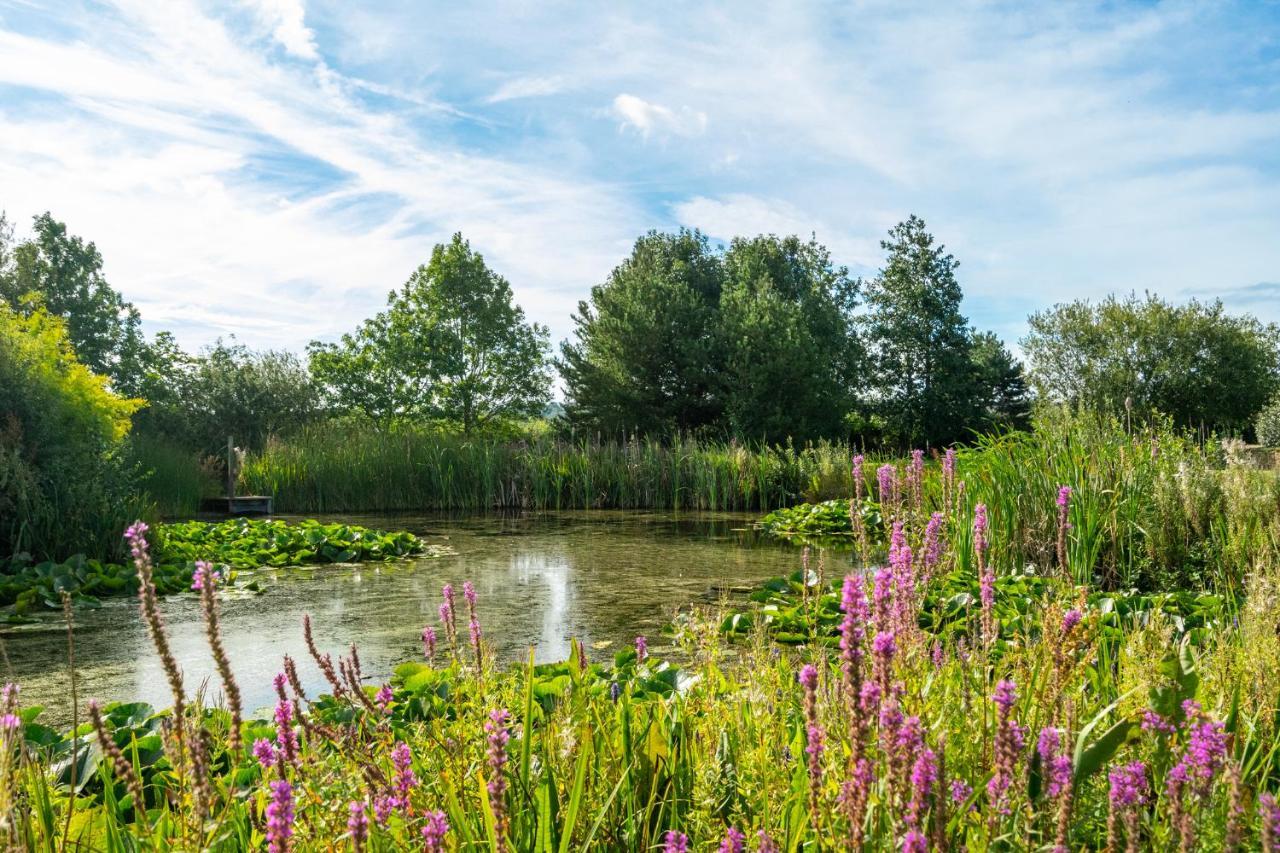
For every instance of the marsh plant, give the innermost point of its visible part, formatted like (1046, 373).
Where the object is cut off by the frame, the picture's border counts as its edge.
(1063, 735)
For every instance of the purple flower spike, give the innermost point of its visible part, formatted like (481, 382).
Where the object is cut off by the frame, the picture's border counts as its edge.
(735, 841)
(676, 842)
(280, 816)
(434, 831)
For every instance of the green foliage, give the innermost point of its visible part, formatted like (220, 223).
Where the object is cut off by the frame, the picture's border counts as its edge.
(452, 345)
(1194, 362)
(62, 484)
(928, 388)
(244, 543)
(61, 274)
(644, 358)
(1267, 426)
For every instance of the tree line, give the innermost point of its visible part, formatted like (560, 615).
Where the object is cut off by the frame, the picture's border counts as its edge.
(766, 339)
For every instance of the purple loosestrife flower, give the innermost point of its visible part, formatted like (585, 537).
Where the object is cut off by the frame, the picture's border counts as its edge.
(496, 729)
(469, 592)
(735, 841)
(1055, 763)
(204, 573)
(642, 649)
(429, 644)
(286, 737)
(980, 533)
(914, 842)
(1009, 742)
(900, 562)
(883, 648)
(383, 806)
(434, 831)
(358, 824)
(765, 844)
(858, 480)
(887, 481)
(960, 791)
(1153, 722)
(448, 616)
(853, 634)
(1064, 513)
(675, 842)
(265, 753)
(280, 816)
(1128, 785)
(932, 544)
(1269, 817)
(938, 654)
(813, 738)
(1128, 793)
(924, 775)
(1205, 754)
(882, 598)
(402, 758)
(1070, 620)
(384, 697)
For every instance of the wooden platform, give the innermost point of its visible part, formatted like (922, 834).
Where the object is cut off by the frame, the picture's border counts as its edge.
(240, 505)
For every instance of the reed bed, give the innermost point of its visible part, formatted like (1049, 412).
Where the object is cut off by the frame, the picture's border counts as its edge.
(336, 468)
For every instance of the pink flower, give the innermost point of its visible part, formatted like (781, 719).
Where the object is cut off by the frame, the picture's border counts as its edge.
(434, 831)
(384, 697)
(280, 816)
(358, 824)
(642, 649)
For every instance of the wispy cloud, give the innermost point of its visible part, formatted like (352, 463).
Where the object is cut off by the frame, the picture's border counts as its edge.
(222, 156)
(655, 119)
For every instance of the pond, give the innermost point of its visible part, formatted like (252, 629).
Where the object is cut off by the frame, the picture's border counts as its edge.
(603, 577)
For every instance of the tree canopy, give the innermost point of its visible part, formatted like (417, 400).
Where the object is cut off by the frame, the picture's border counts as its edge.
(1193, 362)
(452, 345)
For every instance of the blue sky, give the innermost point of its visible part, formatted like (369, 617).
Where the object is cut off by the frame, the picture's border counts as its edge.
(271, 168)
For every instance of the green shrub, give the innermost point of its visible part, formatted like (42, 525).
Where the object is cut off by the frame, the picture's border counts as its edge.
(63, 482)
(1268, 424)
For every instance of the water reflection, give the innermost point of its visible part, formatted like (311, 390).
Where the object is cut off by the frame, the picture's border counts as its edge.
(542, 579)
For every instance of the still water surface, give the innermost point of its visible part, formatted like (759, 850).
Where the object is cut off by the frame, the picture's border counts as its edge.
(601, 576)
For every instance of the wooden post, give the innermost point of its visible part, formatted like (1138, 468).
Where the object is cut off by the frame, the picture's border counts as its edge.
(231, 469)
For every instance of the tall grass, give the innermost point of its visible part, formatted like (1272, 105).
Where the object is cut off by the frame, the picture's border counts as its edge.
(333, 468)
(170, 476)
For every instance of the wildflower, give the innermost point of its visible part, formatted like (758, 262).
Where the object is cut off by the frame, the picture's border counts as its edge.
(265, 753)
(10, 722)
(358, 825)
(434, 831)
(813, 737)
(855, 793)
(858, 481)
(1064, 511)
(938, 654)
(932, 544)
(469, 592)
(1128, 793)
(882, 597)
(1206, 751)
(1070, 620)
(765, 844)
(1009, 742)
(383, 806)
(883, 648)
(448, 617)
(384, 697)
(325, 661)
(735, 841)
(1269, 817)
(914, 842)
(285, 735)
(642, 649)
(135, 535)
(980, 533)
(124, 769)
(887, 480)
(496, 729)
(280, 816)
(675, 842)
(852, 635)
(429, 644)
(960, 790)
(1056, 765)
(1153, 722)
(615, 691)
(204, 574)
(924, 774)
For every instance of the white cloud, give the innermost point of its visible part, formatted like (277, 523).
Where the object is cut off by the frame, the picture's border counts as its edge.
(527, 87)
(654, 119)
(287, 21)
